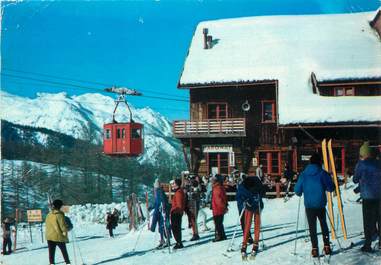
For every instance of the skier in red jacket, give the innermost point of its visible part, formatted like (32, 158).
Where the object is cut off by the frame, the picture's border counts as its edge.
(219, 207)
(177, 210)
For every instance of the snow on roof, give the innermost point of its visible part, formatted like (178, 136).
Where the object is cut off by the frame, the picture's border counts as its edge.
(288, 49)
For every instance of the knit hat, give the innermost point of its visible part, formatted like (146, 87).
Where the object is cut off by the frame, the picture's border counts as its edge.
(57, 204)
(315, 159)
(365, 151)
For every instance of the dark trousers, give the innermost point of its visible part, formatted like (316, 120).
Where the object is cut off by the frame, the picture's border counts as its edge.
(176, 226)
(110, 231)
(371, 216)
(312, 215)
(219, 225)
(7, 242)
(52, 251)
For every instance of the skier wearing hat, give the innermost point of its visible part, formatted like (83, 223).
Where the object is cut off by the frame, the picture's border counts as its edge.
(219, 207)
(249, 195)
(177, 210)
(56, 232)
(313, 182)
(368, 174)
(160, 214)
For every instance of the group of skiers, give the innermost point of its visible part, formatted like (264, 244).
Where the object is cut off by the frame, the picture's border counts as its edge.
(312, 183)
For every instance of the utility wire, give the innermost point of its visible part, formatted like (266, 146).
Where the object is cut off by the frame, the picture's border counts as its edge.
(83, 81)
(82, 87)
(103, 104)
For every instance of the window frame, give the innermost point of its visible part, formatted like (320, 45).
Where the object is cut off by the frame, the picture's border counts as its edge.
(345, 88)
(217, 110)
(273, 109)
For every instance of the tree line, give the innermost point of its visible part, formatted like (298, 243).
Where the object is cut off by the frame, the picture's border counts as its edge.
(75, 170)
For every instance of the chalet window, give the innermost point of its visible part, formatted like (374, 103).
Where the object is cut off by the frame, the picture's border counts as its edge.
(123, 133)
(118, 134)
(344, 91)
(270, 161)
(268, 111)
(218, 161)
(217, 111)
(107, 134)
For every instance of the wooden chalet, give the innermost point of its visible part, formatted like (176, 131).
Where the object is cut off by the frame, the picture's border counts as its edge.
(267, 90)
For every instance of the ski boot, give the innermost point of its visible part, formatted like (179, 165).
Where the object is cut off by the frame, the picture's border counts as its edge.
(315, 252)
(254, 252)
(243, 253)
(161, 245)
(195, 237)
(178, 246)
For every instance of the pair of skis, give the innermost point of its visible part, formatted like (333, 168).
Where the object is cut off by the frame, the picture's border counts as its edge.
(329, 166)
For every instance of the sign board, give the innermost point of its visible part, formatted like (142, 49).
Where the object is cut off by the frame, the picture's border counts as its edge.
(34, 216)
(217, 149)
(255, 162)
(306, 157)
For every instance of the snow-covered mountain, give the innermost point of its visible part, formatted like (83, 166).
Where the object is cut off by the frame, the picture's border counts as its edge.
(84, 115)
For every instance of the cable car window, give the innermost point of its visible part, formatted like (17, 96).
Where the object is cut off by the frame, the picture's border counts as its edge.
(123, 133)
(136, 133)
(118, 134)
(107, 134)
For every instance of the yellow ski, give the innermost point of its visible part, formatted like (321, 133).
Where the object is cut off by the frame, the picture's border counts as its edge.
(338, 194)
(329, 194)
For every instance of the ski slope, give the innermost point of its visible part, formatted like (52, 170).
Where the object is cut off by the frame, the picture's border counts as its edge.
(279, 223)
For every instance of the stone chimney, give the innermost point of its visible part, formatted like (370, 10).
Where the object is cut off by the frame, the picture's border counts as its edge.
(205, 32)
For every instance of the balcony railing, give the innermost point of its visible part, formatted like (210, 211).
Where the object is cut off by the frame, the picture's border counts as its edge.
(235, 127)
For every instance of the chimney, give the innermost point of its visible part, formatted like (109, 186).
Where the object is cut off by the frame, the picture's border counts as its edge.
(210, 38)
(205, 32)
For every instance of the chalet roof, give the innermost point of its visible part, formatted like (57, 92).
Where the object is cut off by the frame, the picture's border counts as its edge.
(288, 49)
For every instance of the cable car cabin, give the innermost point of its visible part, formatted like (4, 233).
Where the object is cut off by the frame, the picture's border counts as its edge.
(123, 139)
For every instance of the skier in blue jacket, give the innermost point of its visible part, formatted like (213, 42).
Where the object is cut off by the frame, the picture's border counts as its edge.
(249, 195)
(314, 182)
(368, 174)
(160, 214)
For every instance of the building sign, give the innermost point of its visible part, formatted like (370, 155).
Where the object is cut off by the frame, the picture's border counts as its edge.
(34, 216)
(306, 157)
(217, 149)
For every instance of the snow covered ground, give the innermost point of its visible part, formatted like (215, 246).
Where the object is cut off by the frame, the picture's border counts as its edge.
(279, 222)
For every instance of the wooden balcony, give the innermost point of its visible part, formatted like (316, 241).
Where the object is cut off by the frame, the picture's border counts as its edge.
(234, 127)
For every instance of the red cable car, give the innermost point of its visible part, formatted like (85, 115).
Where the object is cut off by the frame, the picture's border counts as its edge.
(123, 138)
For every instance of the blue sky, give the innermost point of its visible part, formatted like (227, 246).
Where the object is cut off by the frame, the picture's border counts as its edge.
(138, 44)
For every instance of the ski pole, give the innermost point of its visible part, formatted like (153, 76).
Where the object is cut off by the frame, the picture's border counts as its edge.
(297, 226)
(333, 228)
(260, 226)
(74, 252)
(137, 239)
(235, 229)
(77, 245)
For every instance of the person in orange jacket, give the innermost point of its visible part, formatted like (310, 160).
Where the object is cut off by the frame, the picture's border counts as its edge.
(177, 210)
(219, 207)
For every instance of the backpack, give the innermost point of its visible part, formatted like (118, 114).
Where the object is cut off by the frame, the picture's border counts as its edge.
(68, 223)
